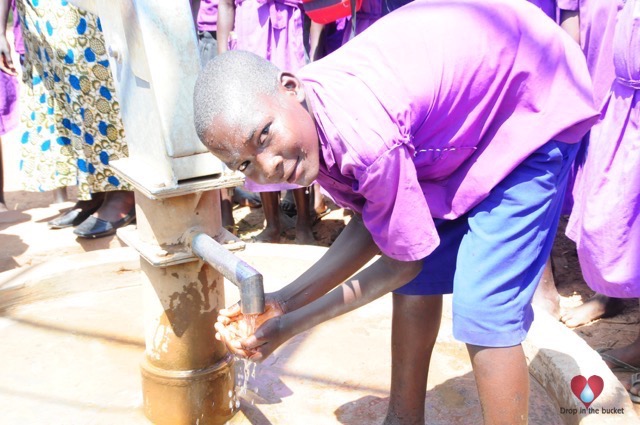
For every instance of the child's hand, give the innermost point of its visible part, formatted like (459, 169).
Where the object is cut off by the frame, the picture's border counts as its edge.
(6, 64)
(267, 338)
(232, 328)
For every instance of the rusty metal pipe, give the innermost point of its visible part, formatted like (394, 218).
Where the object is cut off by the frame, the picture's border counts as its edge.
(248, 280)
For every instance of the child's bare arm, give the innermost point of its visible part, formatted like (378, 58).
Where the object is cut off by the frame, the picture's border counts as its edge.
(383, 276)
(350, 251)
(226, 20)
(316, 40)
(6, 64)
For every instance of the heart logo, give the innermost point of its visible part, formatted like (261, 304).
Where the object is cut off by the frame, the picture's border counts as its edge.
(587, 390)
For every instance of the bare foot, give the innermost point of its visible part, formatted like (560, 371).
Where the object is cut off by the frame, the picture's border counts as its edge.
(546, 296)
(304, 236)
(596, 307)
(270, 234)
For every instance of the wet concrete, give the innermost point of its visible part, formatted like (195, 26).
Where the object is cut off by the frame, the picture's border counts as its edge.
(74, 359)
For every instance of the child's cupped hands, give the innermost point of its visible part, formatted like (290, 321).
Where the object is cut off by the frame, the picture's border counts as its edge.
(235, 330)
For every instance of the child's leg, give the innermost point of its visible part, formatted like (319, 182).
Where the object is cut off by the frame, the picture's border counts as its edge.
(3, 206)
(416, 320)
(500, 262)
(304, 235)
(271, 209)
(226, 211)
(502, 378)
(319, 205)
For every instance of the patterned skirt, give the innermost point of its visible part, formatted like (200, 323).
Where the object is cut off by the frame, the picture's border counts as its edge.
(70, 116)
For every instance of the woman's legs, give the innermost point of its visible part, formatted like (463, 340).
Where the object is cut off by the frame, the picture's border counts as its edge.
(116, 205)
(416, 321)
(117, 210)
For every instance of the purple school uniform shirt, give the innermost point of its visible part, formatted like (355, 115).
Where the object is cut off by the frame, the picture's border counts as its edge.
(424, 123)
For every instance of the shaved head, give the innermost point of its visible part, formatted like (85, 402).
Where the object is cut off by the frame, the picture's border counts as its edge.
(229, 84)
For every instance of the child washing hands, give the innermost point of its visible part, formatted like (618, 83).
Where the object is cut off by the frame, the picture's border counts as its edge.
(449, 128)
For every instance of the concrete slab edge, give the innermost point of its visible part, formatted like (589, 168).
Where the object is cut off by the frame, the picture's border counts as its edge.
(555, 355)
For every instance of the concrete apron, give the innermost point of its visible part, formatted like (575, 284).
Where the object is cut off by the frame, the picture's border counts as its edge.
(73, 338)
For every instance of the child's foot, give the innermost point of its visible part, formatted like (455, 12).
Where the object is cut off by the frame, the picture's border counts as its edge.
(270, 234)
(3, 207)
(596, 307)
(305, 236)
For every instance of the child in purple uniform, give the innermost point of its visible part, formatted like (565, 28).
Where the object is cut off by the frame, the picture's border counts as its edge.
(605, 220)
(594, 27)
(272, 29)
(453, 151)
(8, 87)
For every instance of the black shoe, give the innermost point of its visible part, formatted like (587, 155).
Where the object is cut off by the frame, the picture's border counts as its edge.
(94, 227)
(73, 217)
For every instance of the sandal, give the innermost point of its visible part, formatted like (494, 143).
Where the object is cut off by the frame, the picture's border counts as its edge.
(617, 363)
(318, 215)
(635, 380)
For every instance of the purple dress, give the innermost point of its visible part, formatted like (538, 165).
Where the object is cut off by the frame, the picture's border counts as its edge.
(439, 121)
(9, 85)
(597, 23)
(272, 29)
(604, 223)
(208, 15)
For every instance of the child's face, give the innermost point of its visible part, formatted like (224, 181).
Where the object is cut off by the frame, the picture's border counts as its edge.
(273, 140)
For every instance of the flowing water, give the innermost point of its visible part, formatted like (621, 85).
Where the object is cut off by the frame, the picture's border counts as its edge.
(245, 368)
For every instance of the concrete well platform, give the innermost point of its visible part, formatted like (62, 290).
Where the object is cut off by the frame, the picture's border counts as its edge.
(72, 340)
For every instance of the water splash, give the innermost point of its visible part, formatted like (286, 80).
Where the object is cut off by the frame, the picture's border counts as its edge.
(587, 395)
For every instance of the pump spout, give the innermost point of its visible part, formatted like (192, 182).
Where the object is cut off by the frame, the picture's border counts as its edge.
(246, 278)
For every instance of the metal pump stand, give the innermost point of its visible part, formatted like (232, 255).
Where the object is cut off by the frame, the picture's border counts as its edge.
(187, 375)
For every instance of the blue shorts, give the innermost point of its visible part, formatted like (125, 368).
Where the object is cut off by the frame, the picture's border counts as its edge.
(492, 258)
